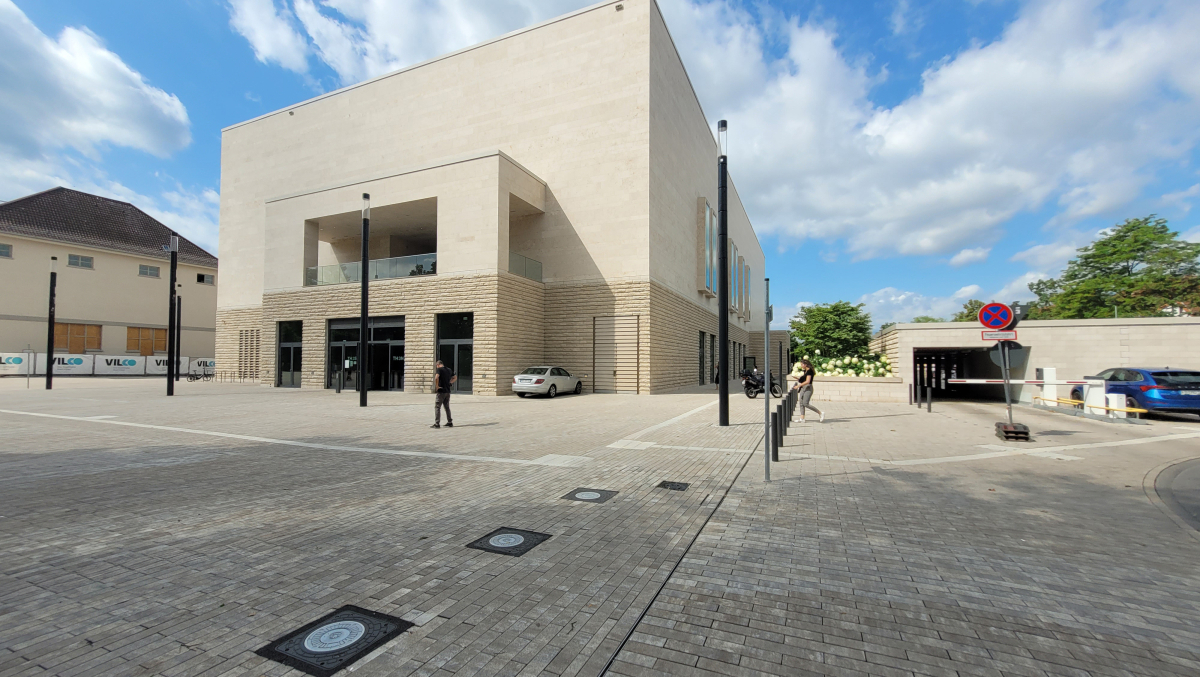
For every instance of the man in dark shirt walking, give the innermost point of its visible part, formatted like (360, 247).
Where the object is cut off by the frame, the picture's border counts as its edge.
(443, 378)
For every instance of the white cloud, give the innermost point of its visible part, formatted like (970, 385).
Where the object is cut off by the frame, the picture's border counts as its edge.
(784, 315)
(904, 19)
(361, 39)
(1075, 103)
(1192, 235)
(969, 256)
(894, 305)
(966, 292)
(271, 32)
(1052, 256)
(1179, 199)
(64, 101)
(74, 93)
(1018, 289)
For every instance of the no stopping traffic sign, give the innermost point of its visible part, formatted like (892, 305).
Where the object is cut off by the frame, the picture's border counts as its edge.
(995, 316)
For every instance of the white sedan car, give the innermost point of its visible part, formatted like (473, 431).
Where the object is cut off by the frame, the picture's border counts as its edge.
(546, 381)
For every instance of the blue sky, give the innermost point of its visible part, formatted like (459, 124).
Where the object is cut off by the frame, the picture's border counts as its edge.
(906, 154)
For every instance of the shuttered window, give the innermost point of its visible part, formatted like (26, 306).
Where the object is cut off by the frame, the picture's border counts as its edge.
(145, 340)
(76, 338)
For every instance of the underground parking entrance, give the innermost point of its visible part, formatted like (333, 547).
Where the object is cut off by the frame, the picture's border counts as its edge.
(934, 368)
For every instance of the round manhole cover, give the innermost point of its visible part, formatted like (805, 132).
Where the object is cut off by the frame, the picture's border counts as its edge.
(587, 495)
(506, 540)
(334, 636)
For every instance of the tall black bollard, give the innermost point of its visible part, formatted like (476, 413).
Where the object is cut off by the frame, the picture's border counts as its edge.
(774, 442)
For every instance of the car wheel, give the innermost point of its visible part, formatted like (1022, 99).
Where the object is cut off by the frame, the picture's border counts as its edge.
(520, 394)
(552, 391)
(578, 387)
(1077, 395)
(1131, 403)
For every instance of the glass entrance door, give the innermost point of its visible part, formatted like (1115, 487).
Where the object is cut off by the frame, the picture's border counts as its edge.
(459, 357)
(396, 367)
(289, 366)
(456, 349)
(343, 366)
(291, 336)
(387, 366)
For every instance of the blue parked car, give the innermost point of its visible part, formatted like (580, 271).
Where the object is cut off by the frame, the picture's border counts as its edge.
(1166, 390)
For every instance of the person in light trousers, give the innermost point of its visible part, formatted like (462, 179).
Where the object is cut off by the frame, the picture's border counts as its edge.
(805, 386)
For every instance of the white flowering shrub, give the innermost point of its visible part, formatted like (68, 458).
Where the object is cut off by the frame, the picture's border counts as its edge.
(871, 366)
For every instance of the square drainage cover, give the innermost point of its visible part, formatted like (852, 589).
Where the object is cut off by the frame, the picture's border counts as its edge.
(509, 541)
(673, 486)
(327, 645)
(590, 495)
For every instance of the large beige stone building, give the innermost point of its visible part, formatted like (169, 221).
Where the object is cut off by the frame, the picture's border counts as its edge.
(547, 197)
(113, 290)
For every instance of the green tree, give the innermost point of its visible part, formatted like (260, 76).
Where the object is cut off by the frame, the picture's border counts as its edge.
(838, 329)
(969, 312)
(1136, 269)
(922, 319)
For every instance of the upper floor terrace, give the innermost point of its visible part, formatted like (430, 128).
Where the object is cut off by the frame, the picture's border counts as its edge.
(467, 215)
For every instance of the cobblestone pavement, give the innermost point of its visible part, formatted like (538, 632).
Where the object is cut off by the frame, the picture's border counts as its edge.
(147, 536)
(135, 542)
(895, 542)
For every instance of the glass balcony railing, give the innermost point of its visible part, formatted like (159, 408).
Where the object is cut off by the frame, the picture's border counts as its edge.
(379, 269)
(524, 266)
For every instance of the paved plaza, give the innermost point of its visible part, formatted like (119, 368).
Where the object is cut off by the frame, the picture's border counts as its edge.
(141, 535)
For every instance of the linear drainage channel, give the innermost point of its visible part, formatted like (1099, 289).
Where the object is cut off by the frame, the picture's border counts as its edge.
(335, 641)
(509, 541)
(586, 495)
(673, 486)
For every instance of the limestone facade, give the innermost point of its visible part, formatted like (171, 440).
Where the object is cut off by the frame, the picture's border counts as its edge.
(576, 147)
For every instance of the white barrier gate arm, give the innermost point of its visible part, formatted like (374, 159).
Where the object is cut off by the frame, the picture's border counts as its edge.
(1030, 382)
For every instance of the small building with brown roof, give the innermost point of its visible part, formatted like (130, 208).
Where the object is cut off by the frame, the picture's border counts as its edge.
(113, 278)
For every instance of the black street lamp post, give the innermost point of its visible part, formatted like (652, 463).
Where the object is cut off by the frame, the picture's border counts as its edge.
(50, 331)
(723, 278)
(364, 373)
(174, 249)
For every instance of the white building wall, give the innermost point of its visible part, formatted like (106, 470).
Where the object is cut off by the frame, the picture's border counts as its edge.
(111, 294)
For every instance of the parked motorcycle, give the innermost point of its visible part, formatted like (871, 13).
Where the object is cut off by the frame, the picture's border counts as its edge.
(753, 385)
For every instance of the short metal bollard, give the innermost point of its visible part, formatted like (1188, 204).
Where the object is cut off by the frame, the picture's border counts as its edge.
(929, 401)
(774, 441)
(917, 387)
(910, 391)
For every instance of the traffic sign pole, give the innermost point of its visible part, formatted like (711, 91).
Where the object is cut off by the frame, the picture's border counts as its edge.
(1007, 396)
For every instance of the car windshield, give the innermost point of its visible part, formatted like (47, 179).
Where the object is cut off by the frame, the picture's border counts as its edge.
(534, 371)
(1177, 378)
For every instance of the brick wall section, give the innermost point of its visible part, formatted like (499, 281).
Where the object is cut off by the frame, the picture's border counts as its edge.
(570, 307)
(518, 323)
(229, 323)
(520, 329)
(419, 300)
(675, 326)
